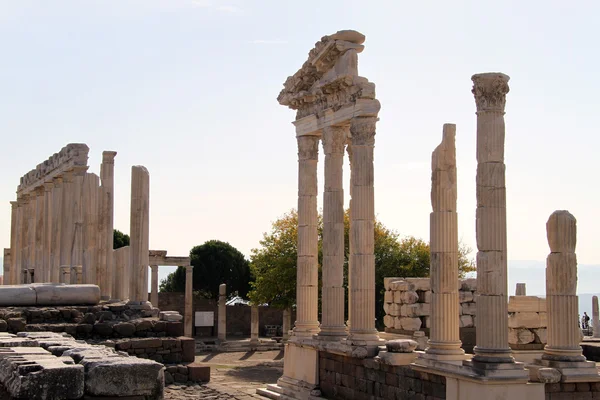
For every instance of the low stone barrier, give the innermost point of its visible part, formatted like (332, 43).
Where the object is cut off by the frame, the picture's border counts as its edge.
(167, 350)
(527, 323)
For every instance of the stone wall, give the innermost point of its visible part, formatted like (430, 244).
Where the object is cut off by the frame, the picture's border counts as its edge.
(342, 377)
(572, 391)
(527, 323)
(238, 316)
(166, 350)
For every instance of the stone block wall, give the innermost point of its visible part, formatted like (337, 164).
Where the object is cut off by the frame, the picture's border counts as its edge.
(171, 350)
(343, 377)
(407, 304)
(527, 323)
(572, 391)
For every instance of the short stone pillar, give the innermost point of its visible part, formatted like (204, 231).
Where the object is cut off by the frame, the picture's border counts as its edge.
(254, 326)
(222, 328)
(595, 317)
(287, 324)
(7, 262)
(521, 290)
(78, 274)
(65, 273)
(154, 284)
(188, 323)
(563, 351)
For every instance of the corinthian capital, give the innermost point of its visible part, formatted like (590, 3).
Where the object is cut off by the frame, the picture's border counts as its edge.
(363, 131)
(334, 139)
(490, 91)
(308, 147)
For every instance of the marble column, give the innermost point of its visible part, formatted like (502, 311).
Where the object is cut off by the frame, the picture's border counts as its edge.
(561, 290)
(9, 278)
(78, 210)
(350, 246)
(65, 271)
(106, 225)
(307, 290)
(47, 234)
(18, 253)
(362, 329)
(222, 328)
(490, 91)
(595, 317)
(91, 206)
(521, 289)
(6, 267)
(67, 220)
(121, 268)
(57, 199)
(254, 326)
(139, 235)
(38, 247)
(287, 324)
(154, 288)
(77, 271)
(189, 301)
(332, 321)
(444, 342)
(23, 256)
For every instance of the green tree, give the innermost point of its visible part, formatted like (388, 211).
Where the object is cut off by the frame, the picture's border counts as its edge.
(214, 262)
(273, 264)
(120, 239)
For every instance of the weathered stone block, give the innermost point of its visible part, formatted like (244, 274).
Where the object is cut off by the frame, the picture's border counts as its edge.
(388, 296)
(527, 320)
(389, 321)
(465, 296)
(407, 297)
(526, 304)
(402, 286)
(469, 308)
(520, 336)
(188, 347)
(409, 324)
(124, 329)
(466, 321)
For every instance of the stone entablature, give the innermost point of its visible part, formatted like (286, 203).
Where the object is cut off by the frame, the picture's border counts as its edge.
(69, 157)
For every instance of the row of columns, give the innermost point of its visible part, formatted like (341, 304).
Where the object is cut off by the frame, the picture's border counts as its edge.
(360, 132)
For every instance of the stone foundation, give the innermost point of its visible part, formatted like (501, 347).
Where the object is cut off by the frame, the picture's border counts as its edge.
(343, 377)
(572, 391)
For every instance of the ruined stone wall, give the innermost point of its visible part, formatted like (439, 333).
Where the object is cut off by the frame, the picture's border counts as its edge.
(166, 350)
(342, 377)
(238, 316)
(572, 391)
(527, 323)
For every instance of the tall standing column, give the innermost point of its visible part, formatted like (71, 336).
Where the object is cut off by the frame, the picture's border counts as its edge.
(362, 329)
(254, 326)
(23, 255)
(332, 324)
(492, 308)
(350, 246)
(595, 317)
(287, 323)
(154, 289)
(105, 265)
(9, 279)
(78, 209)
(307, 290)
(561, 289)
(91, 200)
(444, 342)
(57, 200)
(6, 267)
(222, 328)
(67, 221)
(38, 246)
(47, 235)
(189, 301)
(139, 234)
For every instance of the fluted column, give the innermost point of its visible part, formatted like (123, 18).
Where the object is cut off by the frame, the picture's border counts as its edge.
(38, 245)
(362, 329)
(492, 308)
(154, 283)
(350, 247)
(105, 265)
(67, 220)
(561, 289)
(91, 207)
(65, 271)
(521, 289)
(23, 256)
(78, 210)
(595, 317)
(332, 321)
(6, 267)
(222, 328)
(189, 301)
(121, 265)
(47, 234)
(444, 340)
(9, 279)
(307, 290)
(286, 324)
(57, 216)
(139, 235)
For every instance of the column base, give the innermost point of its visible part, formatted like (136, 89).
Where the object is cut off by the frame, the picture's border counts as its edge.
(512, 371)
(572, 371)
(444, 351)
(572, 354)
(332, 333)
(486, 355)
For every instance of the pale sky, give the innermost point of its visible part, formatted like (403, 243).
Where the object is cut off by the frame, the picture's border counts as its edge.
(188, 89)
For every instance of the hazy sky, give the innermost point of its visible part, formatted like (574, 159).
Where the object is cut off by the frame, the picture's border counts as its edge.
(188, 89)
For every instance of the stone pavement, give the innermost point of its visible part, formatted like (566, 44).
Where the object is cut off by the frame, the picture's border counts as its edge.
(233, 376)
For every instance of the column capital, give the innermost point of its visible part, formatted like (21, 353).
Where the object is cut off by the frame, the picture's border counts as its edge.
(80, 170)
(490, 91)
(108, 157)
(308, 147)
(48, 186)
(68, 176)
(189, 268)
(334, 138)
(13, 204)
(39, 191)
(362, 130)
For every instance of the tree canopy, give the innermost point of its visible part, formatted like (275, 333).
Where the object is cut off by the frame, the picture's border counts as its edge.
(214, 262)
(120, 239)
(273, 264)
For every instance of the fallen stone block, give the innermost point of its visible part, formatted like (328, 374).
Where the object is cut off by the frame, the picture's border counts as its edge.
(420, 283)
(198, 373)
(188, 347)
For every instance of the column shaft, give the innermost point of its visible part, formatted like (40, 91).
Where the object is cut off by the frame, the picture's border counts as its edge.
(222, 328)
(154, 289)
(57, 216)
(189, 281)
(6, 267)
(67, 221)
(105, 265)
(595, 317)
(139, 231)
(307, 323)
(332, 323)
(47, 237)
(254, 326)
(362, 329)
(38, 247)
(9, 279)
(78, 210)
(444, 339)
(91, 200)
(23, 255)
(492, 285)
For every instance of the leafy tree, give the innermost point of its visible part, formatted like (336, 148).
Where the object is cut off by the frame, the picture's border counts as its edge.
(120, 239)
(273, 265)
(214, 262)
